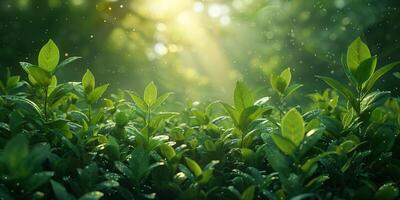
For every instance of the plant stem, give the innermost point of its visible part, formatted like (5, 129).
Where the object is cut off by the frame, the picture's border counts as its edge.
(148, 123)
(46, 90)
(90, 113)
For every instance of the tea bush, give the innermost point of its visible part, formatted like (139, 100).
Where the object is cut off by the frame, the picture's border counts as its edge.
(65, 141)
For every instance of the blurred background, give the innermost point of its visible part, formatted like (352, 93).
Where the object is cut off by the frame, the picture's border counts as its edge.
(199, 48)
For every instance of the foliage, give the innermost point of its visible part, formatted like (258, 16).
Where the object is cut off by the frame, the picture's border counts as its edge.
(65, 141)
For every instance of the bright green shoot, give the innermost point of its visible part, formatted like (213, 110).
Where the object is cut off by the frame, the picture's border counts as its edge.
(360, 70)
(43, 75)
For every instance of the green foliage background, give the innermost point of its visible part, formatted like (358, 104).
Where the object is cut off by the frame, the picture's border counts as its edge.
(117, 38)
(302, 107)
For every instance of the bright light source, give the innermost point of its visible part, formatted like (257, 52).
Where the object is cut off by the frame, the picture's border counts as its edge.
(198, 6)
(215, 10)
(218, 10)
(225, 20)
(184, 18)
(160, 49)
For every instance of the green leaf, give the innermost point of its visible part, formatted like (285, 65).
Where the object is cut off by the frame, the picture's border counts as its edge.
(37, 180)
(397, 75)
(150, 94)
(95, 195)
(379, 73)
(365, 70)
(248, 115)
(139, 102)
(97, 93)
(278, 84)
(312, 137)
(193, 166)
(167, 151)
(248, 194)
(12, 81)
(234, 114)
(60, 192)
(123, 169)
(292, 126)
(67, 61)
(49, 56)
(161, 99)
(357, 52)
(25, 66)
(276, 159)
(387, 192)
(52, 86)
(243, 97)
(39, 76)
(248, 138)
(341, 89)
(112, 148)
(316, 182)
(286, 75)
(15, 151)
(285, 145)
(88, 81)
(291, 89)
(306, 167)
(346, 147)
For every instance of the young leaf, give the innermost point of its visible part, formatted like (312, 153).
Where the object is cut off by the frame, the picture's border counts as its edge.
(341, 89)
(88, 81)
(60, 192)
(248, 115)
(12, 81)
(292, 126)
(248, 194)
(150, 94)
(49, 56)
(379, 73)
(243, 97)
(39, 76)
(232, 112)
(357, 52)
(278, 84)
(139, 102)
(161, 99)
(291, 89)
(52, 86)
(167, 151)
(97, 93)
(365, 70)
(286, 75)
(285, 145)
(193, 166)
(67, 61)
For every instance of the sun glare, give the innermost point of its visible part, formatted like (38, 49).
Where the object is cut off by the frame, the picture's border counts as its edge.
(182, 30)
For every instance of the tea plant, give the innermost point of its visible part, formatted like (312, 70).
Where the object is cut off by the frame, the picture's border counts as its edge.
(65, 141)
